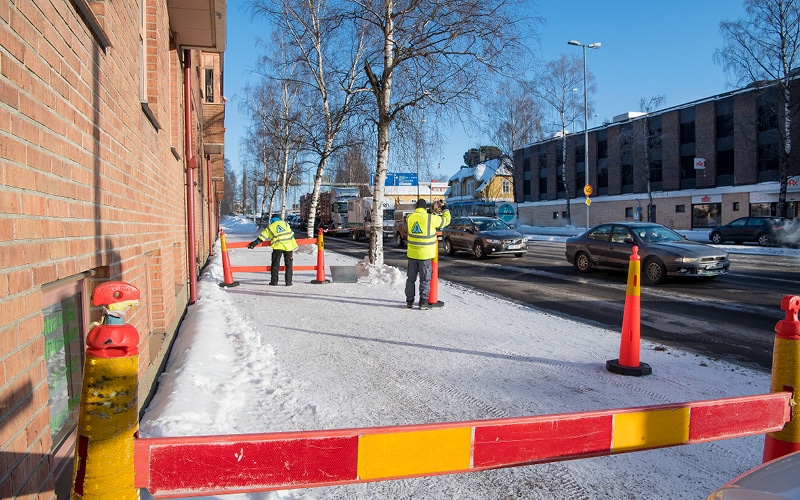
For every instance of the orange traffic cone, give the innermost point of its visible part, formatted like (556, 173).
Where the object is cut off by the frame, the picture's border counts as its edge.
(433, 295)
(320, 261)
(628, 362)
(226, 263)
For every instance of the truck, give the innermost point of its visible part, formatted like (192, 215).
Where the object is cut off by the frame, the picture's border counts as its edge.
(401, 211)
(359, 217)
(331, 209)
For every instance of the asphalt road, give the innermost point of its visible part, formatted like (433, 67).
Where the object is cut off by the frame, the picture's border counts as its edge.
(732, 317)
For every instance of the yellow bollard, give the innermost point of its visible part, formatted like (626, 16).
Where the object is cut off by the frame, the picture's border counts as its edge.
(108, 419)
(786, 377)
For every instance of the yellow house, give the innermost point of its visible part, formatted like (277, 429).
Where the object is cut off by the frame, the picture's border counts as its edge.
(491, 180)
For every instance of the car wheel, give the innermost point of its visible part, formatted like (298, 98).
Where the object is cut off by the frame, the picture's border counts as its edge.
(716, 238)
(518, 255)
(583, 263)
(398, 240)
(654, 272)
(448, 248)
(479, 251)
(763, 239)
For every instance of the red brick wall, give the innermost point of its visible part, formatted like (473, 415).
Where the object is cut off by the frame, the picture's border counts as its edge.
(88, 185)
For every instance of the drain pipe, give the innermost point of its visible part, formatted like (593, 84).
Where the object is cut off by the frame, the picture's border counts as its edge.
(211, 196)
(191, 165)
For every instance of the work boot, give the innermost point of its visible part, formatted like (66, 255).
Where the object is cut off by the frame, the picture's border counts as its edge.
(272, 284)
(425, 306)
(410, 304)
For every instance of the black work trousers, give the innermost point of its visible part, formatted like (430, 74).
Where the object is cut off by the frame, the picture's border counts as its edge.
(288, 260)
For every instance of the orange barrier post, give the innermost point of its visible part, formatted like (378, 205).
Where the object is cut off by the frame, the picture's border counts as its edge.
(108, 419)
(226, 263)
(433, 295)
(320, 261)
(628, 362)
(786, 376)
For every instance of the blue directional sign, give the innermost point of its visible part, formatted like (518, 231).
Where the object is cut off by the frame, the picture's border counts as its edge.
(505, 212)
(397, 179)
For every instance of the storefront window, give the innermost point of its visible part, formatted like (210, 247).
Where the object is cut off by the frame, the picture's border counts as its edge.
(706, 215)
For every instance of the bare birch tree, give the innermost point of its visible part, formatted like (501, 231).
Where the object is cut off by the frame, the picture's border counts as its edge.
(329, 48)
(555, 88)
(431, 54)
(515, 116)
(763, 50)
(652, 142)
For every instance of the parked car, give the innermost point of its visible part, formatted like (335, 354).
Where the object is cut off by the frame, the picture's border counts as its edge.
(763, 230)
(663, 252)
(482, 237)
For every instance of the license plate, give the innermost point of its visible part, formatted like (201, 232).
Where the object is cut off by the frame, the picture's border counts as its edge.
(514, 247)
(714, 266)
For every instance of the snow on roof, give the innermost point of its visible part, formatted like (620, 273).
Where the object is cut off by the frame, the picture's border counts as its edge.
(484, 171)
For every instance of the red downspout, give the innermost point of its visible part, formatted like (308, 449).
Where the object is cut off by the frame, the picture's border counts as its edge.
(191, 165)
(211, 196)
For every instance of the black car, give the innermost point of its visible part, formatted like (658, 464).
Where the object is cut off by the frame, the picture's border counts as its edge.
(482, 237)
(662, 251)
(765, 231)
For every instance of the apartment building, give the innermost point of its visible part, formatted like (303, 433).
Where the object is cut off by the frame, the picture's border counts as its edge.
(111, 169)
(693, 166)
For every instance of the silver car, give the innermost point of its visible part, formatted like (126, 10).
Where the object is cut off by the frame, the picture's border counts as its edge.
(662, 251)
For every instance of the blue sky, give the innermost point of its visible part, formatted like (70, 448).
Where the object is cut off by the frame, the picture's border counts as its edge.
(649, 48)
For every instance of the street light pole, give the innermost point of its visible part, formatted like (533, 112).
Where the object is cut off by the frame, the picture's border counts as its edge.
(595, 45)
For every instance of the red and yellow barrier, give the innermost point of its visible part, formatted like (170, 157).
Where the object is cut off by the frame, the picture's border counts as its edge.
(319, 267)
(786, 377)
(211, 465)
(630, 342)
(109, 415)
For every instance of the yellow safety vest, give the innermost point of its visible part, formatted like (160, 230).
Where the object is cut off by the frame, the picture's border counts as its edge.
(281, 235)
(422, 228)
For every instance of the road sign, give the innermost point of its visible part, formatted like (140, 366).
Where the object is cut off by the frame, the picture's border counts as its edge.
(506, 212)
(588, 201)
(587, 190)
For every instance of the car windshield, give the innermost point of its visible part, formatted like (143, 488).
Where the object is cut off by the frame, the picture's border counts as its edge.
(490, 225)
(657, 234)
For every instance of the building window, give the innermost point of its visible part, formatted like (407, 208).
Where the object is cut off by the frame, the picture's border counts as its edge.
(506, 186)
(555, 215)
(706, 215)
(655, 171)
(628, 212)
(735, 206)
(542, 176)
(723, 110)
(209, 84)
(564, 214)
(63, 333)
(767, 104)
(688, 173)
(142, 54)
(687, 126)
(680, 209)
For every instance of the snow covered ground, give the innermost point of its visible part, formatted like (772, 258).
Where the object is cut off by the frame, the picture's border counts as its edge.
(257, 359)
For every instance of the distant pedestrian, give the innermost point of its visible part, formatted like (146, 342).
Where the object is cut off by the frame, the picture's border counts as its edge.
(422, 245)
(282, 243)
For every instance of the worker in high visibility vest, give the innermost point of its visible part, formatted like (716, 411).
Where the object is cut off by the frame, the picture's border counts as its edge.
(422, 246)
(282, 243)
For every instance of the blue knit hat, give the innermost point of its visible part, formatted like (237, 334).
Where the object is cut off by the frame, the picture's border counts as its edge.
(274, 219)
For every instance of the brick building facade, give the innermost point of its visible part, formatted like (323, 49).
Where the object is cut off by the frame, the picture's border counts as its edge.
(109, 110)
(707, 162)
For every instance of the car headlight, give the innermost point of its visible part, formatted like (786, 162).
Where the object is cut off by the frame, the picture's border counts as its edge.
(493, 241)
(688, 260)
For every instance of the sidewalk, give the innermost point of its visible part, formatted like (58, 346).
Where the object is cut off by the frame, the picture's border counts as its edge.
(257, 359)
